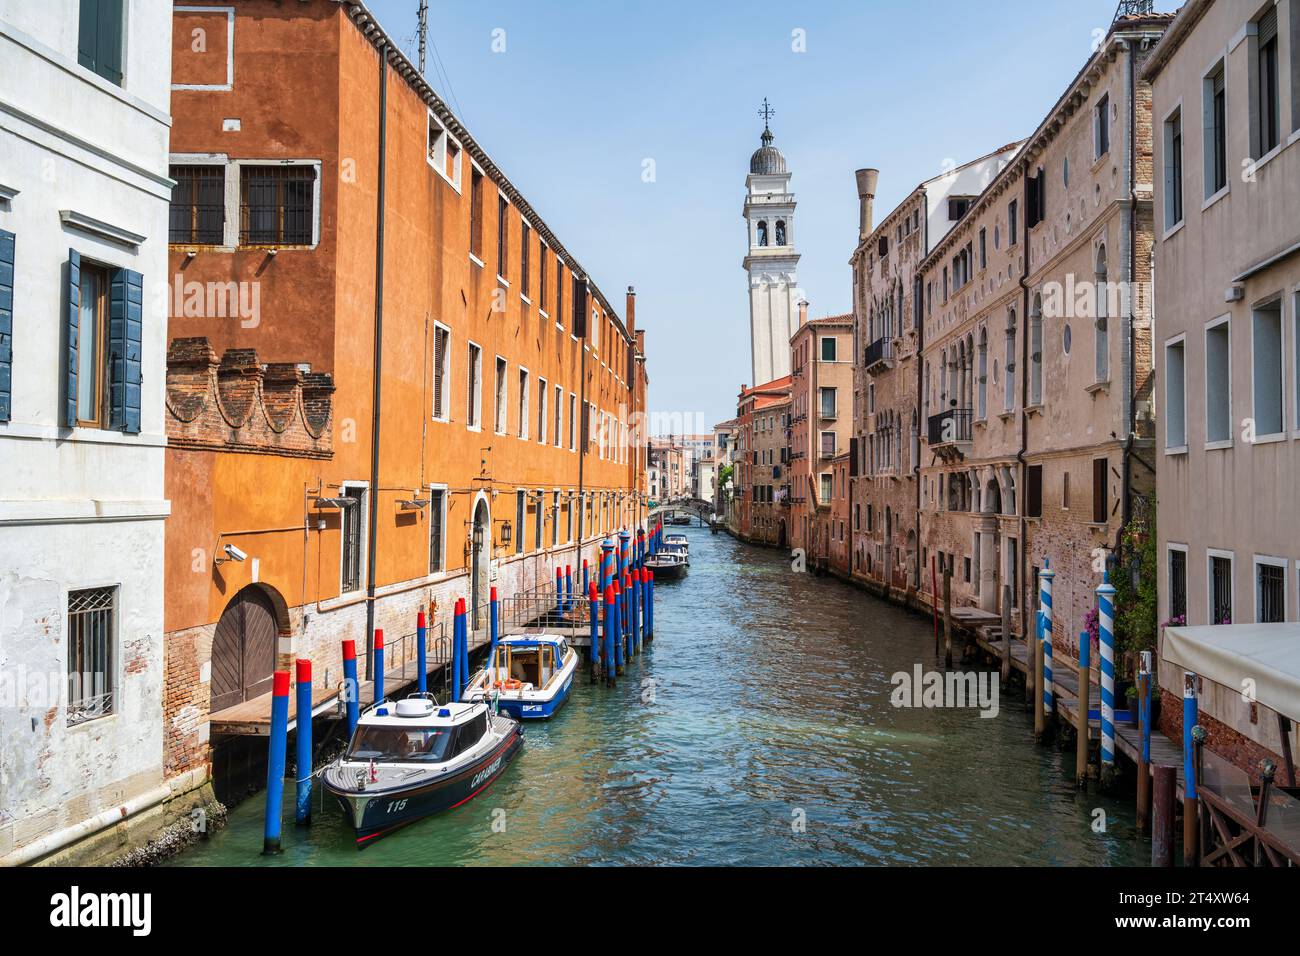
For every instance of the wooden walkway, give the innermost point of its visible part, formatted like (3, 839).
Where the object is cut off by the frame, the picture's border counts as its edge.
(252, 718)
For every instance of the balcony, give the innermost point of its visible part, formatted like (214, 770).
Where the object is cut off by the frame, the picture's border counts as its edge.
(949, 433)
(879, 352)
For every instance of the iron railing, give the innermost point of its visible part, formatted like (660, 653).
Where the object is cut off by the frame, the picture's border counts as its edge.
(878, 352)
(954, 425)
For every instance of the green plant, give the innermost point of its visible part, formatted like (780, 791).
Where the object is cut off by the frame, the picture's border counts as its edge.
(1135, 603)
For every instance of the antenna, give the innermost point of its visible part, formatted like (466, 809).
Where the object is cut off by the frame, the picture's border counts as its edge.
(422, 19)
(1129, 8)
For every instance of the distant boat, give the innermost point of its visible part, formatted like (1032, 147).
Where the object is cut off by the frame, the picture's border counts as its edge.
(412, 758)
(678, 544)
(667, 564)
(680, 519)
(530, 678)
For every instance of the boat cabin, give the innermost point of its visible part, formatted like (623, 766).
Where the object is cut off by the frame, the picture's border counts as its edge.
(416, 730)
(528, 661)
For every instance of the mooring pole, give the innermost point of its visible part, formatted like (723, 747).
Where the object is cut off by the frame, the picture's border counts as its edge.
(1106, 627)
(559, 590)
(1045, 578)
(302, 805)
(610, 668)
(947, 615)
(585, 582)
(1144, 755)
(1081, 731)
(650, 601)
(568, 589)
(1162, 820)
(1006, 635)
(620, 657)
(379, 664)
(634, 603)
(457, 620)
(1191, 831)
(422, 652)
(934, 605)
(351, 689)
(494, 625)
(276, 751)
(595, 630)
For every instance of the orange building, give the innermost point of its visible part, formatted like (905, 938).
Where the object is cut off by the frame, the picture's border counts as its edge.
(762, 480)
(390, 384)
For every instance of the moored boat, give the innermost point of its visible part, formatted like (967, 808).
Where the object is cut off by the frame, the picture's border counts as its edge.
(530, 677)
(666, 565)
(412, 758)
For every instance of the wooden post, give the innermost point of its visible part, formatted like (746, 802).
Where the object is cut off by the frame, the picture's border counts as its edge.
(1081, 718)
(1162, 829)
(934, 606)
(947, 614)
(1006, 635)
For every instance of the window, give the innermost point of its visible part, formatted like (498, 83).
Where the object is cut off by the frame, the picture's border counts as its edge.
(1220, 588)
(92, 640)
(1266, 369)
(443, 154)
(1100, 490)
(198, 208)
(1175, 395)
(1036, 211)
(762, 232)
(437, 530)
(99, 38)
(957, 208)
(1036, 352)
(539, 519)
(276, 205)
(523, 403)
(1218, 391)
(441, 372)
(1101, 340)
(826, 489)
(543, 396)
(353, 544)
(1065, 491)
(1012, 210)
(827, 402)
(1034, 491)
(1101, 127)
(1009, 365)
(541, 275)
(982, 376)
(521, 506)
(1270, 590)
(984, 258)
(476, 214)
(573, 408)
(1177, 606)
(1216, 131)
(474, 375)
(92, 340)
(1266, 110)
(568, 517)
(780, 232)
(559, 292)
(525, 232)
(1174, 170)
(503, 230)
(828, 349)
(555, 518)
(501, 412)
(559, 421)
(828, 444)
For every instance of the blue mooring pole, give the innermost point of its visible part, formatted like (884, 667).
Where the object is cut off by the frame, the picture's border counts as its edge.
(619, 657)
(276, 751)
(559, 590)
(650, 601)
(379, 664)
(464, 644)
(351, 689)
(586, 583)
(568, 589)
(457, 624)
(1190, 716)
(595, 625)
(610, 668)
(1106, 628)
(634, 595)
(1045, 578)
(302, 804)
(422, 652)
(493, 633)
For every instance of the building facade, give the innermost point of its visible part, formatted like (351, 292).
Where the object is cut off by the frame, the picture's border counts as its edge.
(422, 395)
(770, 262)
(1225, 86)
(84, 190)
(761, 477)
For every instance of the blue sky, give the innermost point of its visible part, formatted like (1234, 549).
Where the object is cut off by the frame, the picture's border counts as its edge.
(585, 92)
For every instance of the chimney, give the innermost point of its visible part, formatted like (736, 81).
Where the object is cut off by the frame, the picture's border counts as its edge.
(866, 195)
(631, 311)
(803, 312)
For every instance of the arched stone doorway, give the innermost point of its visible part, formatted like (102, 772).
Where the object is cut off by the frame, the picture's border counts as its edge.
(243, 646)
(481, 559)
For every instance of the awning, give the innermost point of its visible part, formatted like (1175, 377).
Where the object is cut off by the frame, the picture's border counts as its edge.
(1228, 654)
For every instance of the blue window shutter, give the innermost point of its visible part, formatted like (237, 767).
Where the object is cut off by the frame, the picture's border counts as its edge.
(125, 311)
(71, 315)
(6, 322)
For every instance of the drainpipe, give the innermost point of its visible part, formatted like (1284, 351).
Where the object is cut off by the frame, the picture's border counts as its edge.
(1024, 414)
(1130, 264)
(372, 528)
(583, 438)
(920, 395)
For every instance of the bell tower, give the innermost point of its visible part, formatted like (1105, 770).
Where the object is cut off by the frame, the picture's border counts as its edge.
(771, 259)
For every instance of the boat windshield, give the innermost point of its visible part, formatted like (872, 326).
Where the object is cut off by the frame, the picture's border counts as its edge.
(409, 744)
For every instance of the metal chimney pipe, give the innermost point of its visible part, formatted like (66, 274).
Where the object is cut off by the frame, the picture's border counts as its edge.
(867, 179)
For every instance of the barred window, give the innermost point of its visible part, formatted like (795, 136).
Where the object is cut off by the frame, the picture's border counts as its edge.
(354, 519)
(1220, 590)
(276, 205)
(437, 520)
(198, 209)
(1178, 587)
(1270, 593)
(92, 626)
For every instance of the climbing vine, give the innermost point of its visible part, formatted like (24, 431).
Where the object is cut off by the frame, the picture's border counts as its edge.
(1136, 606)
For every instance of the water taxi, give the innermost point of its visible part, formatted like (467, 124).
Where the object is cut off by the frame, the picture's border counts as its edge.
(666, 564)
(412, 758)
(530, 678)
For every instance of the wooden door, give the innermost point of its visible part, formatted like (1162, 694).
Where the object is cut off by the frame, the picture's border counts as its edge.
(243, 649)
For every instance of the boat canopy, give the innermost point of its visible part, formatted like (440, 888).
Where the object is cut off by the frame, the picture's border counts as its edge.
(1228, 654)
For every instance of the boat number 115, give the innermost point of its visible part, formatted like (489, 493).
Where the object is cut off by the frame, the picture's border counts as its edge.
(396, 805)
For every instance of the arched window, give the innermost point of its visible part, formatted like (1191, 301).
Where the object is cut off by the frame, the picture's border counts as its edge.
(982, 378)
(780, 232)
(1036, 351)
(762, 232)
(1102, 342)
(1009, 365)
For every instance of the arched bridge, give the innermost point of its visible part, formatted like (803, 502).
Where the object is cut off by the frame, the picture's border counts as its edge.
(698, 507)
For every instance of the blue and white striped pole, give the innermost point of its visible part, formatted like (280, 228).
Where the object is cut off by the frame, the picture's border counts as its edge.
(1045, 578)
(1106, 620)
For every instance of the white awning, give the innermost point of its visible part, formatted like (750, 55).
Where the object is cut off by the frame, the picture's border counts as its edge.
(1268, 654)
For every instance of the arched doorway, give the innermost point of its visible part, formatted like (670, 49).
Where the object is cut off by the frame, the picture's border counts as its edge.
(481, 559)
(243, 648)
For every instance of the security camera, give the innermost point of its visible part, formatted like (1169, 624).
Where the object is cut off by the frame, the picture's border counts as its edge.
(234, 553)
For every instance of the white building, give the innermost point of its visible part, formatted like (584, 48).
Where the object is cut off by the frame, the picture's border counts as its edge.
(771, 262)
(84, 193)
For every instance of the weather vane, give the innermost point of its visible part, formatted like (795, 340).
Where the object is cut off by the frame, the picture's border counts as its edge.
(766, 112)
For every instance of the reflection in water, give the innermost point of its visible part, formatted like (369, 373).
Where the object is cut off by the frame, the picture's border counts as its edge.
(757, 729)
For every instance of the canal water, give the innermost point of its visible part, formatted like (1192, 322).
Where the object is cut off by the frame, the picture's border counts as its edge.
(757, 729)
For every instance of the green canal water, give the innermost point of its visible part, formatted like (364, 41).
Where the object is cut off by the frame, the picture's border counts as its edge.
(757, 729)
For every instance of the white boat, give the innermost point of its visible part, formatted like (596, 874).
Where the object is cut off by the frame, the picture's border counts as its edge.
(677, 544)
(530, 677)
(666, 564)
